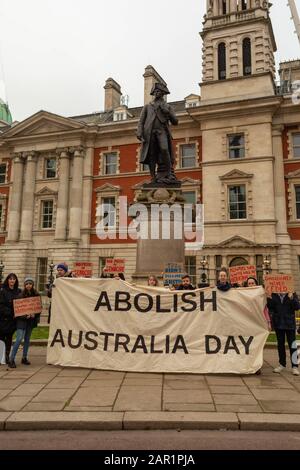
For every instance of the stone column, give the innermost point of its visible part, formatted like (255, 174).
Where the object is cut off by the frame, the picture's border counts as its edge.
(76, 196)
(280, 196)
(28, 197)
(63, 195)
(16, 199)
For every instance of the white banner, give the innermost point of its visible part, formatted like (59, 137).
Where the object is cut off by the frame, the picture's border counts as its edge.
(111, 325)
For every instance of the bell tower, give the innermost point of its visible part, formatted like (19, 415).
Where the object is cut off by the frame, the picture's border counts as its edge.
(238, 49)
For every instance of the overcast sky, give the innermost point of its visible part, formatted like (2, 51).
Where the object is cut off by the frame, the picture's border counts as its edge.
(57, 54)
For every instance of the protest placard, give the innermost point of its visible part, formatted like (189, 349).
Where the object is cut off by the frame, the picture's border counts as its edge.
(173, 274)
(83, 270)
(28, 306)
(279, 283)
(114, 265)
(240, 274)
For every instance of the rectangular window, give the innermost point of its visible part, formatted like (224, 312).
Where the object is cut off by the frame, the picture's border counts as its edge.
(42, 272)
(236, 145)
(297, 191)
(190, 198)
(3, 173)
(296, 145)
(191, 268)
(50, 168)
(110, 161)
(188, 156)
(109, 211)
(47, 214)
(102, 262)
(237, 202)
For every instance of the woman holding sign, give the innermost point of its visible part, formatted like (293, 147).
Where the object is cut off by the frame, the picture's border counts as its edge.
(25, 325)
(9, 292)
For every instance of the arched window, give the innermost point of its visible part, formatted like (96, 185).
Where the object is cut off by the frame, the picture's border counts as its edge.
(247, 60)
(239, 261)
(222, 61)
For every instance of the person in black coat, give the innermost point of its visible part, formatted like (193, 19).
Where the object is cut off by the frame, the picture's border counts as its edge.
(223, 284)
(186, 284)
(9, 292)
(25, 325)
(282, 309)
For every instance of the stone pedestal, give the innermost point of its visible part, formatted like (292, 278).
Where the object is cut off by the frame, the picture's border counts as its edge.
(163, 229)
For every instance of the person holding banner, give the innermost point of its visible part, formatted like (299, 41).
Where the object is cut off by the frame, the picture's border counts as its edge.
(186, 284)
(62, 271)
(283, 307)
(223, 284)
(25, 325)
(152, 281)
(9, 292)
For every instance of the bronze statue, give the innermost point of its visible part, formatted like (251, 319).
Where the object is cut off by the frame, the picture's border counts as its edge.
(154, 133)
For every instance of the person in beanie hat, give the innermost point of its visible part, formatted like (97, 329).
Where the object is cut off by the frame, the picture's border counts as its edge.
(62, 271)
(25, 325)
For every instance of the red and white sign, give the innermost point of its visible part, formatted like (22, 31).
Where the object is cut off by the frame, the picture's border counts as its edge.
(28, 306)
(114, 265)
(240, 274)
(279, 283)
(83, 269)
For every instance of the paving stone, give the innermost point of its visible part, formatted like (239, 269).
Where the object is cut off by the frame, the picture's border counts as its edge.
(64, 421)
(53, 395)
(187, 396)
(235, 408)
(185, 377)
(104, 374)
(223, 399)
(275, 406)
(189, 407)
(228, 389)
(142, 376)
(108, 383)
(88, 408)
(276, 382)
(3, 418)
(74, 373)
(41, 378)
(56, 406)
(269, 422)
(65, 382)
(180, 420)
(25, 390)
(10, 384)
(4, 393)
(13, 403)
(275, 394)
(184, 385)
(133, 398)
(224, 380)
(94, 397)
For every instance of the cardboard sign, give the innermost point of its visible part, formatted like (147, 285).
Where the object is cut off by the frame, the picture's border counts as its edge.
(279, 283)
(240, 274)
(173, 274)
(114, 265)
(29, 306)
(83, 269)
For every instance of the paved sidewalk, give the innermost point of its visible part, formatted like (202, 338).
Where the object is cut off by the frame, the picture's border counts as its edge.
(47, 397)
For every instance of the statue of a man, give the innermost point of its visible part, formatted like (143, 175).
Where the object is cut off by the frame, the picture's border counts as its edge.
(154, 133)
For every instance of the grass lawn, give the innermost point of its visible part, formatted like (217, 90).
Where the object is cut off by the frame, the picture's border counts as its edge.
(42, 332)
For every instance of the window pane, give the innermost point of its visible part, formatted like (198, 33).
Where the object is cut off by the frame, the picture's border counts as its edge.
(42, 271)
(110, 163)
(109, 211)
(297, 191)
(236, 146)
(2, 174)
(297, 152)
(188, 156)
(237, 202)
(296, 139)
(47, 214)
(102, 262)
(51, 168)
(191, 268)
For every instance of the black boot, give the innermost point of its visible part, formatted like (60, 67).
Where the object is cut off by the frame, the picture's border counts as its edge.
(7, 358)
(12, 365)
(25, 361)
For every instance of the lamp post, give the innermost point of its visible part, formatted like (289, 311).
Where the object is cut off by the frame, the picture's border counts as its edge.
(204, 269)
(51, 275)
(1, 271)
(267, 265)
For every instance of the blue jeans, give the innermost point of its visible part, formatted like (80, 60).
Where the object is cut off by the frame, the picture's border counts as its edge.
(22, 334)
